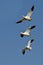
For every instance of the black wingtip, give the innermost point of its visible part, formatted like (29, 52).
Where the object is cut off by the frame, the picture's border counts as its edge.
(32, 27)
(21, 35)
(23, 52)
(18, 22)
(32, 40)
(32, 8)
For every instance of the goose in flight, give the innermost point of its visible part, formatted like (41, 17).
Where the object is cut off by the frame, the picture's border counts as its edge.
(28, 47)
(27, 32)
(28, 16)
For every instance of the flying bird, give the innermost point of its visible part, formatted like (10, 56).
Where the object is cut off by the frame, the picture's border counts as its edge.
(28, 47)
(27, 32)
(28, 16)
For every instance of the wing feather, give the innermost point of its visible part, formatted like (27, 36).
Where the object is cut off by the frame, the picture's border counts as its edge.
(30, 42)
(31, 11)
(23, 50)
(21, 20)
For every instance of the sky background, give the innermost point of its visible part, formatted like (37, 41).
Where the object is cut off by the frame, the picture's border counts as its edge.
(11, 44)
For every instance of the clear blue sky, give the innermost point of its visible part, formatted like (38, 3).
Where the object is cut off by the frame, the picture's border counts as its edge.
(11, 43)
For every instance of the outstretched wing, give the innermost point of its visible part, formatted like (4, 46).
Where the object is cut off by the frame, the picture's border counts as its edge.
(30, 42)
(31, 11)
(30, 28)
(23, 50)
(21, 20)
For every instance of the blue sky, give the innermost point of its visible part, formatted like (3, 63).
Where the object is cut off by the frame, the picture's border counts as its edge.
(11, 43)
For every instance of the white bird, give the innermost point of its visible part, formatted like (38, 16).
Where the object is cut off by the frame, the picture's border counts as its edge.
(27, 32)
(28, 47)
(28, 16)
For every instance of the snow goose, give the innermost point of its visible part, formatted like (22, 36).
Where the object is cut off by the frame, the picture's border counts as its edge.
(28, 47)
(27, 32)
(28, 16)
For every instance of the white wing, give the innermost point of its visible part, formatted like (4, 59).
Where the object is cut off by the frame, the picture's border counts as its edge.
(30, 12)
(28, 30)
(30, 42)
